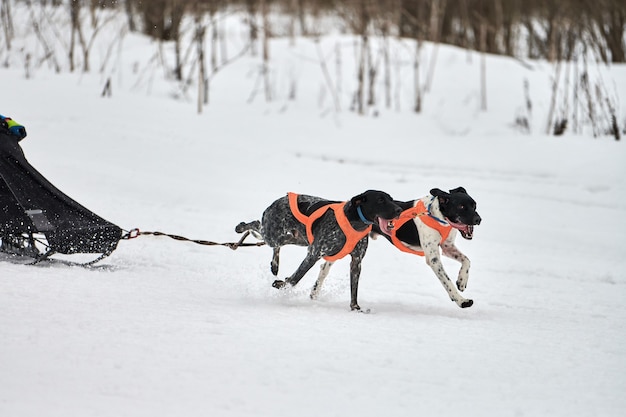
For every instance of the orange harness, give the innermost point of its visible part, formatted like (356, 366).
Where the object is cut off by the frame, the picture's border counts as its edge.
(352, 236)
(421, 211)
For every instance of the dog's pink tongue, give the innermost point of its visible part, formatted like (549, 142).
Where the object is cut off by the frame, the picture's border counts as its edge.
(466, 230)
(384, 225)
(459, 226)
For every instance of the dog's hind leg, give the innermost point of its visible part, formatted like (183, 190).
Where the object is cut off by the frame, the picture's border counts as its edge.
(304, 267)
(317, 287)
(275, 260)
(451, 251)
(253, 226)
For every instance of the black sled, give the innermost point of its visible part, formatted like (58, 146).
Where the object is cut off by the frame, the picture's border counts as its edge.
(34, 213)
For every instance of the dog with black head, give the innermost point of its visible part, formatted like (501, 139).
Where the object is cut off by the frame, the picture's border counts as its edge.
(424, 226)
(330, 229)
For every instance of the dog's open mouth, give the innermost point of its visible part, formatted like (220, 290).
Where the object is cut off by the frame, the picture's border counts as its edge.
(385, 225)
(467, 230)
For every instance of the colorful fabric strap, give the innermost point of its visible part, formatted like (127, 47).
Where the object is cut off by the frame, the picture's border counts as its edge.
(352, 235)
(13, 127)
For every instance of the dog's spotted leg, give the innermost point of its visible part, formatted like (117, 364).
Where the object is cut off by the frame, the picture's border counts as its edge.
(304, 267)
(431, 252)
(253, 226)
(450, 250)
(275, 260)
(355, 272)
(317, 287)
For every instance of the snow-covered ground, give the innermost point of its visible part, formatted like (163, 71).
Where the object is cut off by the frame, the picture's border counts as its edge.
(167, 328)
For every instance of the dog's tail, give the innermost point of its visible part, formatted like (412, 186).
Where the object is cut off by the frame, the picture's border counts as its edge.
(254, 227)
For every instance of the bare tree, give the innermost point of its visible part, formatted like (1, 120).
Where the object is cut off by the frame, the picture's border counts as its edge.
(437, 11)
(555, 89)
(49, 53)
(199, 40)
(483, 66)
(98, 21)
(7, 24)
(389, 15)
(253, 33)
(360, 19)
(266, 49)
(456, 23)
(609, 18)
(128, 8)
(417, 108)
(329, 82)
(213, 6)
(75, 29)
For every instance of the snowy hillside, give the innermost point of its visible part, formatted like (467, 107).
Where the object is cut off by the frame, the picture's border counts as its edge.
(167, 328)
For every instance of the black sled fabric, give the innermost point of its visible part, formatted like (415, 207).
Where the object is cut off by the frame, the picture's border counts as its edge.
(29, 203)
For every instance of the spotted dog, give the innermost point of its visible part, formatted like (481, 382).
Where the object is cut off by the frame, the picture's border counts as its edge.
(425, 225)
(329, 229)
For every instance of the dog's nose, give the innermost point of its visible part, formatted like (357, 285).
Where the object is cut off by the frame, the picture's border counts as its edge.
(477, 219)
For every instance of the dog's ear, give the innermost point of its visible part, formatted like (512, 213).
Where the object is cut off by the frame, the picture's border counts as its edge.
(438, 193)
(442, 195)
(358, 199)
(458, 190)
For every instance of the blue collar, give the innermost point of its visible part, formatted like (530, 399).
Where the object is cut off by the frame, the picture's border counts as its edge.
(430, 212)
(361, 216)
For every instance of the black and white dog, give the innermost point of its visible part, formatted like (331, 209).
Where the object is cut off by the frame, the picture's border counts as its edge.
(425, 225)
(330, 229)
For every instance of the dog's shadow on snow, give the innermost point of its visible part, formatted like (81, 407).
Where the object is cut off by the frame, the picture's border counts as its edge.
(450, 311)
(330, 303)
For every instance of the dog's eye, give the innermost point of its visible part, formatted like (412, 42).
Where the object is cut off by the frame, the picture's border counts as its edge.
(462, 207)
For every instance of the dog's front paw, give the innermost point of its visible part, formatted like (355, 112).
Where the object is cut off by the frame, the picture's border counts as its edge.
(315, 292)
(465, 303)
(279, 284)
(240, 227)
(461, 282)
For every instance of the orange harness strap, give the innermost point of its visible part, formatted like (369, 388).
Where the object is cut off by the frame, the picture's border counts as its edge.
(421, 211)
(352, 236)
